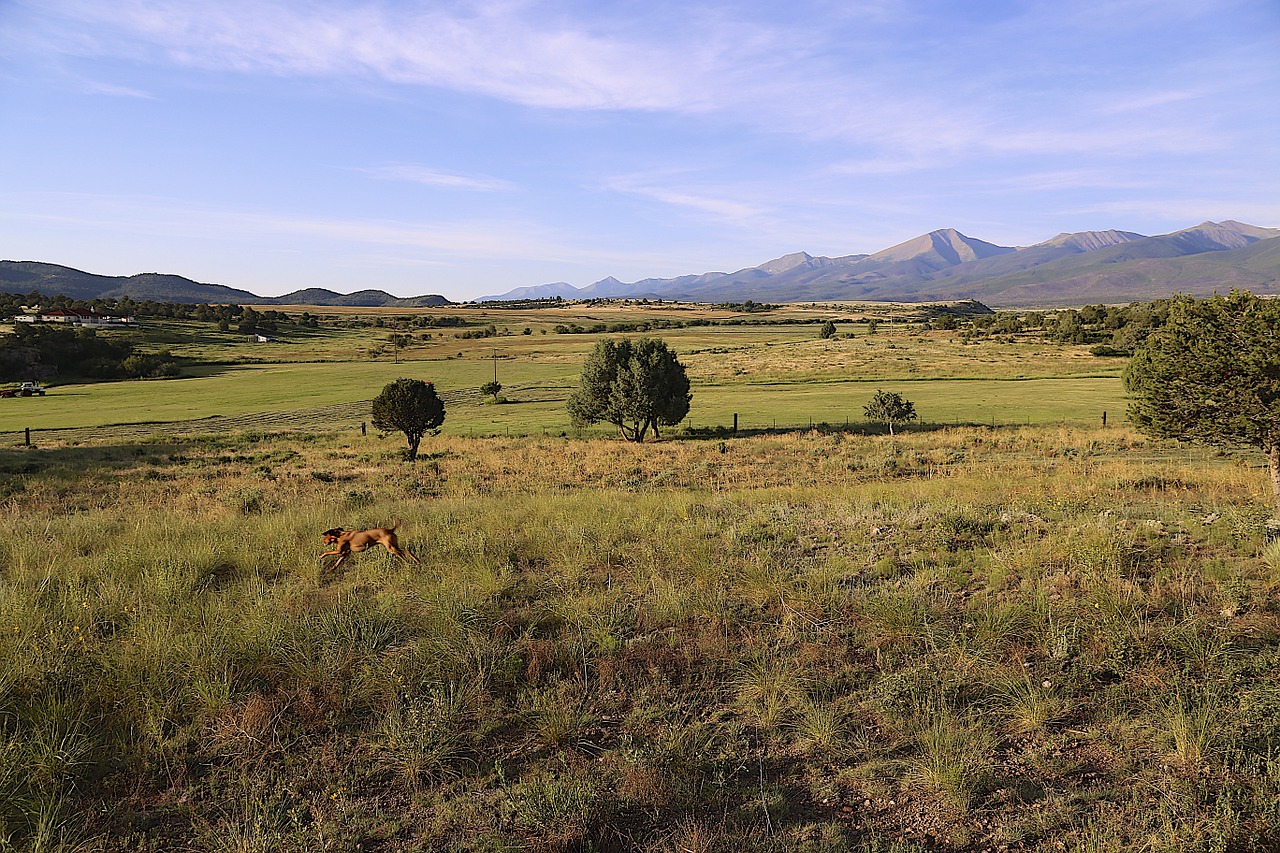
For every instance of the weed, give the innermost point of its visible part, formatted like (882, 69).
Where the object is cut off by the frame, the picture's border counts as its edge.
(952, 760)
(1031, 709)
(557, 810)
(427, 735)
(770, 689)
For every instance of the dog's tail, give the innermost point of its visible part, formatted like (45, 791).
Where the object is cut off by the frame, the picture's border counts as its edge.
(396, 525)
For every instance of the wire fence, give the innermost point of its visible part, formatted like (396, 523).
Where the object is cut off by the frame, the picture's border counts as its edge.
(329, 418)
(350, 415)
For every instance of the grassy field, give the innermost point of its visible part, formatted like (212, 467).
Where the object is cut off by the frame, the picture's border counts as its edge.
(781, 373)
(960, 639)
(1006, 628)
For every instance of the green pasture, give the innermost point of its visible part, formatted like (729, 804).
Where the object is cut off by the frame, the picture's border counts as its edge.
(536, 394)
(963, 401)
(242, 389)
(781, 375)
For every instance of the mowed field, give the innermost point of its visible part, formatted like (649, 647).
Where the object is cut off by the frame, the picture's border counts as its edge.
(775, 375)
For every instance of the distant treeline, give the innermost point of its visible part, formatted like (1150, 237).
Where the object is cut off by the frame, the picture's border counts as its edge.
(45, 352)
(244, 319)
(1113, 329)
(661, 323)
(747, 306)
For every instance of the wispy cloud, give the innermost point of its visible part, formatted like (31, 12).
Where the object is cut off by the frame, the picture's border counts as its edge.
(780, 75)
(677, 192)
(1069, 179)
(506, 50)
(97, 87)
(443, 239)
(415, 174)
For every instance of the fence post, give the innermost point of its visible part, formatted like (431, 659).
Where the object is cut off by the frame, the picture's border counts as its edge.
(27, 439)
(735, 423)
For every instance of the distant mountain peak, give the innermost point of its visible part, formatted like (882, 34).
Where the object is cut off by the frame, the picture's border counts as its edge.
(1249, 230)
(538, 291)
(1231, 226)
(786, 262)
(943, 247)
(1091, 241)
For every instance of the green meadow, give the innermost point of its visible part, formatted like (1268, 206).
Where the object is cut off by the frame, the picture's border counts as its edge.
(770, 375)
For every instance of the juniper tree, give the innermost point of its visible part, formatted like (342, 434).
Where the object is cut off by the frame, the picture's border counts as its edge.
(889, 407)
(410, 406)
(634, 385)
(1211, 373)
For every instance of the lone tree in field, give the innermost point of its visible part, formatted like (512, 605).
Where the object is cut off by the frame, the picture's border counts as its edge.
(634, 385)
(410, 406)
(1211, 373)
(889, 407)
(828, 330)
(491, 389)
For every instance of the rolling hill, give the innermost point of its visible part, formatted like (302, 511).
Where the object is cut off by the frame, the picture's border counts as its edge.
(52, 279)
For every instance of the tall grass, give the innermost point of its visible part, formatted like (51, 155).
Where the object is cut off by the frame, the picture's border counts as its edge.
(949, 640)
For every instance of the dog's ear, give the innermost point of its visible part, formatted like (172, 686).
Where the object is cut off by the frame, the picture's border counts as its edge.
(334, 532)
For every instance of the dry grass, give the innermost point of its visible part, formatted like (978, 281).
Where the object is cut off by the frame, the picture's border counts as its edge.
(961, 639)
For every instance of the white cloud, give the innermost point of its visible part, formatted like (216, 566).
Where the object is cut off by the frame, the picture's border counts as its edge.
(112, 90)
(503, 50)
(1070, 179)
(659, 188)
(415, 174)
(819, 72)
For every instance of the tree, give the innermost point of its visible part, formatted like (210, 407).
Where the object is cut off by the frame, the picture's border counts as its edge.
(1211, 373)
(491, 389)
(398, 342)
(889, 407)
(828, 330)
(410, 406)
(634, 385)
(248, 321)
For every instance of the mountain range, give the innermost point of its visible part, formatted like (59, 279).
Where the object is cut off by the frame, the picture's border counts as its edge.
(944, 265)
(1069, 269)
(52, 279)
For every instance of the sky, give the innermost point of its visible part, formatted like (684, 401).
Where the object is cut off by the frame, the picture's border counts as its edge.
(468, 148)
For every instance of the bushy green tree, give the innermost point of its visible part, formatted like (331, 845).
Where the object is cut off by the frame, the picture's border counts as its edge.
(491, 389)
(1211, 373)
(634, 385)
(889, 407)
(828, 330)
(410, 406)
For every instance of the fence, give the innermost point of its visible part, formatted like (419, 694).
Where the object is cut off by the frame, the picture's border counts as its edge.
(333, 417)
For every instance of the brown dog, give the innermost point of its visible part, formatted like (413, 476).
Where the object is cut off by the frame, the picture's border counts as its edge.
(350, 542)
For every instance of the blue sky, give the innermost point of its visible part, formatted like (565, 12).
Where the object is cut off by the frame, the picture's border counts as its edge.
(466, 148)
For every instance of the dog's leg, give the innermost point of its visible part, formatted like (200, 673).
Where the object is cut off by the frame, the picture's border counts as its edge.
(392, 544)
(342, 554)
(404, 554)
